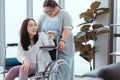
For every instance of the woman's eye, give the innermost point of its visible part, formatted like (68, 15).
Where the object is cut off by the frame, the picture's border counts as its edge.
(35, 24)
(30, 25)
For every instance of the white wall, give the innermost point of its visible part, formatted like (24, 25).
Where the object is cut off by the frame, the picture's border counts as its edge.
(103, 40)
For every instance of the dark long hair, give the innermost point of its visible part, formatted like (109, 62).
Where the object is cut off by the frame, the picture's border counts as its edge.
(24, 35)
(50, 3)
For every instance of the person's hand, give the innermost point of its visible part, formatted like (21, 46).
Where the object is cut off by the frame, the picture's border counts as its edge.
(50, 34)
(61, 45)
(26, 66)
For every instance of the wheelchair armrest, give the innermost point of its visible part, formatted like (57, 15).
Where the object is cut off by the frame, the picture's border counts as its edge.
(48, 46)
(12, 44)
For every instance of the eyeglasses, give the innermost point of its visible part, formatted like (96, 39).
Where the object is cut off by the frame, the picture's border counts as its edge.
(50, 11)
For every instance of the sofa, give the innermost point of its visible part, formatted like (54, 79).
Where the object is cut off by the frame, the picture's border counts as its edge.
(108, 72)
(10, 62)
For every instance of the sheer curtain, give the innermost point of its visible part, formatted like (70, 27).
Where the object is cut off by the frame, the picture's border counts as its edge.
(15, 13)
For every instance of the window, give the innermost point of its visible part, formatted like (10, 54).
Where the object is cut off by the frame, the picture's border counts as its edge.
(116, 27)
(37, 8)
(15, 13)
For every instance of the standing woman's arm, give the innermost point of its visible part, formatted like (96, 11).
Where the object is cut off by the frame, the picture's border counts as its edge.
(65, 34)
(66, 29)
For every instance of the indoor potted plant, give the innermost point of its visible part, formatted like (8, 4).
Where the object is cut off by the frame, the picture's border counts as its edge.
(89, 31)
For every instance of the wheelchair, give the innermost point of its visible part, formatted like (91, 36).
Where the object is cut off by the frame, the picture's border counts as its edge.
(57, 68)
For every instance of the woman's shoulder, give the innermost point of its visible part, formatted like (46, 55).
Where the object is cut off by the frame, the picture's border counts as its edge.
(64, 13)
(42, 17)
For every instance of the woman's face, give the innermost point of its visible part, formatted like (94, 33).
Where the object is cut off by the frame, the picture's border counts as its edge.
(32, 28)
(51, 12)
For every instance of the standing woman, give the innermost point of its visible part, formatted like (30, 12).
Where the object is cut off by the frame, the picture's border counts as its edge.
(29, 44)
(56, 19)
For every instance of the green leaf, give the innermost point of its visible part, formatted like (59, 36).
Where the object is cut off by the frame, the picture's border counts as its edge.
(83, 24)
(96, 26)
(79, 34)
(95, 5)
(78, 45)
(91, 35)
(102, 32)
(88, 19)
(85, 27)
(82, 15)
(101, 11)
(86, 33)
(85, 57)
(87, 48)
(84, 39)
(89, 55)
(88, 15)
(76, 39)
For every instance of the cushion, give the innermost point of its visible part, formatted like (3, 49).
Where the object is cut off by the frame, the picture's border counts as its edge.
(108, 72)
(94, 73)
(112, 72)
(10, 62)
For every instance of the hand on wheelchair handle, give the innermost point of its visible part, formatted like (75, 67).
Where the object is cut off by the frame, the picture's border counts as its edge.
(50, 34)
(61, 46)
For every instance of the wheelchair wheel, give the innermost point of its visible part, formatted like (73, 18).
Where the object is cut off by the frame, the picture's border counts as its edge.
(59, 71)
